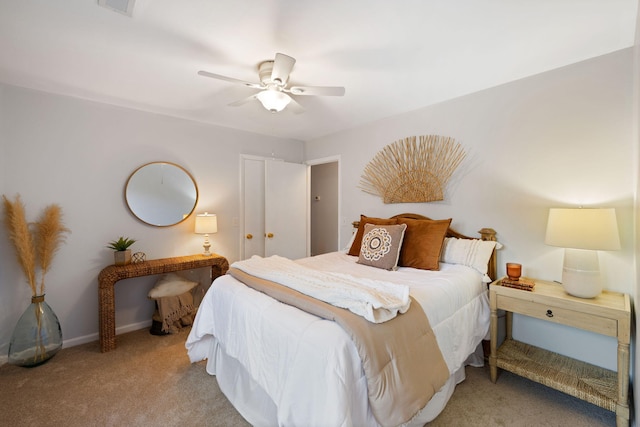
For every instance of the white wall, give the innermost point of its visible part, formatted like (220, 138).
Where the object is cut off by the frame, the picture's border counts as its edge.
(636, 113)
(562, 138)
(3, 156)
(79, 154)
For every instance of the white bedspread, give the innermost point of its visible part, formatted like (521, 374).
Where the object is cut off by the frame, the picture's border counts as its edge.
(375, 300)
(281, 366)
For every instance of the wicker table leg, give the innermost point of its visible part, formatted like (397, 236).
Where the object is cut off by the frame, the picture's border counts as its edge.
(107, 314)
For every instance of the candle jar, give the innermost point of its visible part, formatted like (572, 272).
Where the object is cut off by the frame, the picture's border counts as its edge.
(514, 270)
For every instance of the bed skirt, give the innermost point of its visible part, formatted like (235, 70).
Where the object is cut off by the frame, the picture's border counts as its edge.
(255, 405)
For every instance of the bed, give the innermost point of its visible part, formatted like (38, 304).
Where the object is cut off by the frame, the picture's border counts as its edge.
(280, 365)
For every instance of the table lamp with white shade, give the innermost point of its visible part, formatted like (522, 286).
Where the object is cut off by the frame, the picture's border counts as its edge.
(582, 232)
(206, 224)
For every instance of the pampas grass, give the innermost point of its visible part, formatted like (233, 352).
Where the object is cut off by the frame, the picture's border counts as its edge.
(50, 233)
(20, 236)
(36, 243)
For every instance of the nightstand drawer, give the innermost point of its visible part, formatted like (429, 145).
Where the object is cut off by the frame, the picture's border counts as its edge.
(576, 319)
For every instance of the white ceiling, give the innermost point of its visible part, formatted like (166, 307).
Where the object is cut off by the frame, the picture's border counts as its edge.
(391, 56)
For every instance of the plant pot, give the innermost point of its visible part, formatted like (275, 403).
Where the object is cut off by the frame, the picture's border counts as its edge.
(122, 257)
(37, 336)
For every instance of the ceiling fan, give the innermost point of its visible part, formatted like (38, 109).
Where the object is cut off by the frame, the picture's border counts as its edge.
(274, 89)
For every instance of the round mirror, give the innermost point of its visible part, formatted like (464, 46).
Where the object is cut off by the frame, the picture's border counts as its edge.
(161, 194)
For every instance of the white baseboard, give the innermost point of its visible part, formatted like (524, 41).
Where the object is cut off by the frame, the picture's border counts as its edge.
(93, 337)
(133, 327)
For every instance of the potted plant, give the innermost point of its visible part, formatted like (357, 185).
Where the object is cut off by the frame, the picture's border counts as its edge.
(122, 254)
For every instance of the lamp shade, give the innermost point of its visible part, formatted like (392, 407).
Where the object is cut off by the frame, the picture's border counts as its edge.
(594, 229)
(206, 223)
(273, 100)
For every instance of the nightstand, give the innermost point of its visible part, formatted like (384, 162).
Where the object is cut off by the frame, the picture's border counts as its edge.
(608, 314)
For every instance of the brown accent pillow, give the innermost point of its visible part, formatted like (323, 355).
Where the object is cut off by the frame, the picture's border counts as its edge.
(423, 242)
(357, 242)
(381, 245)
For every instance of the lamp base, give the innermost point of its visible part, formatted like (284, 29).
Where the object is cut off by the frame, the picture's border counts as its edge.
(581, 273)
(582, 284)
(206, 246)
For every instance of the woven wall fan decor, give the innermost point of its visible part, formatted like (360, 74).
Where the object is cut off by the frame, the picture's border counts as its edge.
(412, 171)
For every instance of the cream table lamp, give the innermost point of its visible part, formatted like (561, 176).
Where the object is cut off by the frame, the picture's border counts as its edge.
(582, 232)
(206, 224)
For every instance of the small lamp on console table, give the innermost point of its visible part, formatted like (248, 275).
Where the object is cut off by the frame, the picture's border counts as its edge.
(582, 232)
(206, 224)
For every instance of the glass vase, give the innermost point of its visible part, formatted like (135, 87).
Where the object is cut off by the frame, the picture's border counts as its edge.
(37, 336)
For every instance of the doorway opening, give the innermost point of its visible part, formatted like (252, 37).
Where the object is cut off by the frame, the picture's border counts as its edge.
(324, 205)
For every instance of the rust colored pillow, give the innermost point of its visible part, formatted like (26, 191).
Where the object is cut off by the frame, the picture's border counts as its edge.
(357, 242)
(423, 242)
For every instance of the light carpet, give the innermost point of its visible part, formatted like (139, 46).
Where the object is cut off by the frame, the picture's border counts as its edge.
(148, 380)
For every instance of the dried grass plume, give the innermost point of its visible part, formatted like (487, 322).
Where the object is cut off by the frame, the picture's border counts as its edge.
(36, 243)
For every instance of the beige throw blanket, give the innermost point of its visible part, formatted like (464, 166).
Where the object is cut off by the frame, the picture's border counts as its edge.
(401, 359)
(176, 311)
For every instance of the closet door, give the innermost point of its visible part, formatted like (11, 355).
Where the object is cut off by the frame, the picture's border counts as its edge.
(253, 203)
(275, 205)
(286, 209)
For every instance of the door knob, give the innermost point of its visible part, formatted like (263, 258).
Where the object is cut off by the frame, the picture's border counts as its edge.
(249, 236)
(269, 235)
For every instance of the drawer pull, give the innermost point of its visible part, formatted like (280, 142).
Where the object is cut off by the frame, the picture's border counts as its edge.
(549, 313)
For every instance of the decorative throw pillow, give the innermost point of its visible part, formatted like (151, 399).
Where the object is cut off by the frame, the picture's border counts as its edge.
(381, 245)
(348, 246)
(423, 242)
(474, 253)
(171, 285)
(357, 241)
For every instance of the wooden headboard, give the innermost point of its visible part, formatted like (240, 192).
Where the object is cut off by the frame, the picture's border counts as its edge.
(488, 234)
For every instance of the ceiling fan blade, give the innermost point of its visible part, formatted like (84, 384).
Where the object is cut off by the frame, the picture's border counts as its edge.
(230, 79)
(243, 101)
(295, 107)
(282, 67)
(317, 90)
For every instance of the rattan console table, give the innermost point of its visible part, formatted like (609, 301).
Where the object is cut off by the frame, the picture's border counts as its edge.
(112, 274)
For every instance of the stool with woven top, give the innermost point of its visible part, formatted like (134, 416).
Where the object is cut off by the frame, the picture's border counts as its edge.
(174, 304)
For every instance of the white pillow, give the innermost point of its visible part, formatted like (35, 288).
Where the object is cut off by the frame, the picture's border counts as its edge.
(353, 237)
(171, 285)
(474, 253)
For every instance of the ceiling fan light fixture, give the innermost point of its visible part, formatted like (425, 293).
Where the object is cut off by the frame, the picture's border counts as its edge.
(273, 100)
(274, 86)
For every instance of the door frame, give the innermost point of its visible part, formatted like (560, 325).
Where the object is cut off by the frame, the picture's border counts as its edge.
(341, 221)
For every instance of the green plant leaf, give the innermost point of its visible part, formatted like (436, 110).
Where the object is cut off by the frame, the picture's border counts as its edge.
(122, 244)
